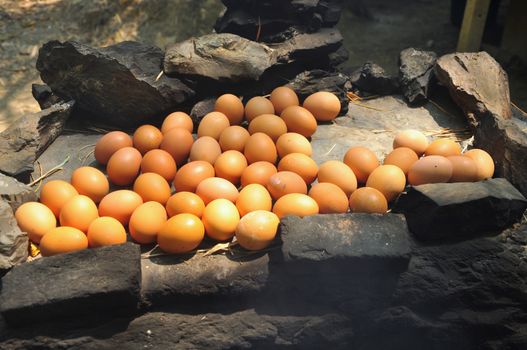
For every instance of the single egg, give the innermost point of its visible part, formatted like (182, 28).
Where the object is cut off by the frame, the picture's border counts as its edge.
(152, 187)
(338, 173)
(205, 148)
(413, 139)
(35, 219)
(295, 204)
(90, 182)
(230, 166)
(191, 174)
(231, 106)
(430, 169)
(292, 142)
(368, 200)
(147, 137)
(260, 147)
(443, 147)
(257, 229)
(300, 164)
(299, 120)
(177, 120)
(105, 231)
(220, 219)
(257, 106)
(258, 173)
(361, 161)
(62, 240)
(324, 106)
(160, 162)
(181, 234)
(283, 97)
(78, 212)
(253, 197)
(402, 157)
(464, 169)
(270, 124)
(177, 142)
(214, 188)
(285, 182)
(109, 144)
(123, 167)
(484, 163)
(146, 222)
(213, 125)
(387, 179)
(55, 193)
(329, 197)
(234, 138)
(185, 203)
(120, 205)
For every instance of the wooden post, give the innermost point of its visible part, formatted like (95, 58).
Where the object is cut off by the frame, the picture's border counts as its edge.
(473, 25)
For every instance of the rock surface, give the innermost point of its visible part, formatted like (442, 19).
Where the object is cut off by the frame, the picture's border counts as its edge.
(456, 210)
(202, 108)
(416, 73)
(13, 242)
(373, 79)
(14, 192)
(44, 96)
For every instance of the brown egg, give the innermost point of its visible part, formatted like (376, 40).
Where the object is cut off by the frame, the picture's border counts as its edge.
(181, 234)
(185, 202)
(361, 161)
(443, 147)
(123, 167)
(109, 144)
(402, 157)
(160, 162)
(63, 240)
(90, 182)
(295, 204)
(324, 106)
(300, 164)
(214, 188)
(220, 219)
(177, 120)
(55, 193)
(464, 169)
(260, 147)
(299, 120)
(339, 174)
(292, 142)
(283, 97)
(178, 142)
(152, 187)
(368, 200)
(231, 106)
(147, 137)
(430, 169)
(253, 197)
(329, 197)
(413, 139)
(191, 174)
(257, 106)
(257, 229)
(120, 205)
(258, 173)
(484, 163)
(230, 166)
(146, 222)
(213, 125)
(105, 231)
(234, 138)
(78, 212)
(35, 219)
(205, 148)
(285, 182)
(270, 124)
(387, 179)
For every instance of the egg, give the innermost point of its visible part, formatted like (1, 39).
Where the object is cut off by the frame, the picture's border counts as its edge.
(147, 137)
(299, 120)
(62, 240)
(181, 234)
(484, 163)
(213, 125)
(110, 143)
(368, 200)
(253, 197)
(105, 231)
(361, 161)
(300, 164)
(430, 169)
(324, 106)
(55, 193)
(205, 148)
(329, 197)
(230, 166)
(35, 219)
(177, 120)
(270, 124)
(295, 204)
(387, 179)
(231, 106)
(233, 138)
(443, 147)
(177, 142)
(285, 182)
(152, 187)
(146, 222)
(413, 139)
(78, 212)
(90, 182)
(185, 202)
(402, 157)
(292, 142)
(260, 147)
(120, 205)
(257, 173)
(257, 230)
(283, 97)
(215, 187)
(257, 106)
(123, 167)
(160, 162)
(191, 174)
(220, 219)
(339, 174)
(464, 169)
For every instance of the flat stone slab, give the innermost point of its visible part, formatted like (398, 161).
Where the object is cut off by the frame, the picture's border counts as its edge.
(80, 284)
(14, 192)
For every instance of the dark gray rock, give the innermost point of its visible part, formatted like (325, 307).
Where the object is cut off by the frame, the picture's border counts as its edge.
(201, 108)
(44, 96)
(117, 85)
(24, 140)
(373, 79)
(85, 284)
(457, 210)
(13, 242)
(416, 74)
(14, 192)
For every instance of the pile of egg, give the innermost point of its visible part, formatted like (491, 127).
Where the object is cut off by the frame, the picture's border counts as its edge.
(231, 180)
